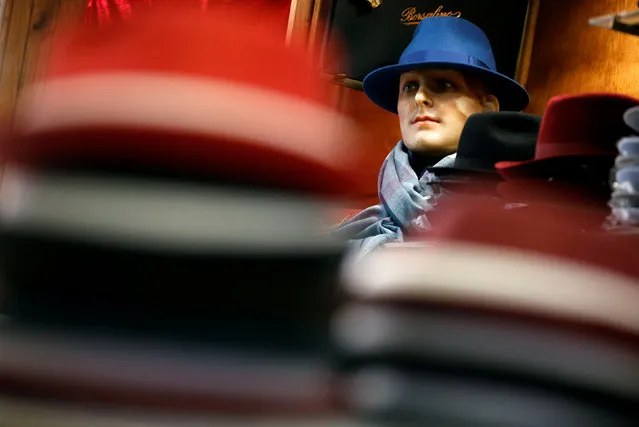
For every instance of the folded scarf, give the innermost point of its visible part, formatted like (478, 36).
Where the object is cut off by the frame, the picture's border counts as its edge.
(405, 199)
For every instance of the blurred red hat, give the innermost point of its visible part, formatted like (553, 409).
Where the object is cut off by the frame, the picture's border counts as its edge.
(176, 88)
(484, 256)
(576, 131)
(103, 12)
(586, 207)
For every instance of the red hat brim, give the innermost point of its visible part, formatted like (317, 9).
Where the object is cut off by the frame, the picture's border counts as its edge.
(551, 166)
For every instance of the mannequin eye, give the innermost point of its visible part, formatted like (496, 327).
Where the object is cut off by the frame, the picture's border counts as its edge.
(410, 86)
(444, 85)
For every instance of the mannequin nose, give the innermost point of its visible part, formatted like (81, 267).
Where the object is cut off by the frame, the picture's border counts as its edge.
(422, 97)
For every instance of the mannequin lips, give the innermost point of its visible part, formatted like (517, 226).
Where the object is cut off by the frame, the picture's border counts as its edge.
(425, 119)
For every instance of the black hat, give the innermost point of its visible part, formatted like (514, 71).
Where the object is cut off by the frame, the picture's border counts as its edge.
(491, 137)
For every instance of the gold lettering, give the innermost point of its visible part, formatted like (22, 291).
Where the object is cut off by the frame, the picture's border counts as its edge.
(410, 15)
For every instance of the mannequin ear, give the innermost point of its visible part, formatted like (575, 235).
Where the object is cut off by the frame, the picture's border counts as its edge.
(490, 103)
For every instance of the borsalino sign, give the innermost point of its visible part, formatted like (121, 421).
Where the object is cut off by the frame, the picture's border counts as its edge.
(411, 16)
(374, 37)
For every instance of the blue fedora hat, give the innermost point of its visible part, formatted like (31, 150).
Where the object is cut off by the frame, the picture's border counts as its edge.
(451, 43)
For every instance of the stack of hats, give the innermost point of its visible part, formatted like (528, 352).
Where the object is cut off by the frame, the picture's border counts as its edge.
(494, 319)
(161, 220)
(557, 163)
(625, 176)
(575, 150)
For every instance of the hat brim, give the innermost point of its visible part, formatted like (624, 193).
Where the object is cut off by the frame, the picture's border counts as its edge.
(382, 85)
(451, 174)
(553, 193)
(552, 166)
(631, 118)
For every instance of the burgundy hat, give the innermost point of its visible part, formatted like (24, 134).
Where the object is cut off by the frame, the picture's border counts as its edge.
(166, 89)
(576, 130)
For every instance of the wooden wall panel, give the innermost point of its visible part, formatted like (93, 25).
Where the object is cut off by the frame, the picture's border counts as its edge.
(28, 28)
(15, 30)
(42, 22)
(299, 21)
(570, 56)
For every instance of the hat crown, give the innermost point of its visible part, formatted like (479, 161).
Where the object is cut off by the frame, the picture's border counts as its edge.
(449, 34)
(181, 41)
(631, 117)
(592, 120)
(491, 137)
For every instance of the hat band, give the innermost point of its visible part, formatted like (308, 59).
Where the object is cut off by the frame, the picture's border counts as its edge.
(431, 55)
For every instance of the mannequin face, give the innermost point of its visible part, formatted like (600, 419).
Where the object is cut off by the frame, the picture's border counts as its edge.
(433, 107)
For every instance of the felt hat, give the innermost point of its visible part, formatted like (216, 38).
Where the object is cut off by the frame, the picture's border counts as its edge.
(450, 43)
(491, 137)
(577, 139)
(176, 89)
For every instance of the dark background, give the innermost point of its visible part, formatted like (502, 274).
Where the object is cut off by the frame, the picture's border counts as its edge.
(374, 37)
